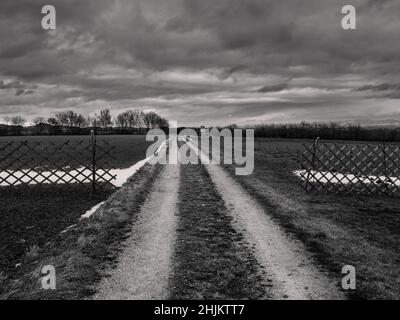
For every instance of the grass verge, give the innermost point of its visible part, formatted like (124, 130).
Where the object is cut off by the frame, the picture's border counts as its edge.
(34, 215)
(211, 260)
(81, 255)
(340, 230)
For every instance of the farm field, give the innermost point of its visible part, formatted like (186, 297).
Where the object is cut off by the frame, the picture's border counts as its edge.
(176, 231)
(129, 149)
(199, 231)
(31, 216)
(363, 231)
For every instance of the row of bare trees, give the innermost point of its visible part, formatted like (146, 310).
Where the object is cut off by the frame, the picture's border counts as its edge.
(15, 120)
(327, 131)
(127, 119)
(136, 118)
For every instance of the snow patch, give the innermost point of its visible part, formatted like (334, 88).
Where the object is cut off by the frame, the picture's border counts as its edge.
(93, 210)
(67, 229)
(122, 176)
(14, 178)
(334, 177)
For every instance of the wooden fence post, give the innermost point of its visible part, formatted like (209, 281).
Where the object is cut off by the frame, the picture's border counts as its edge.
(385, 162)
(93, 142)
(315, 147)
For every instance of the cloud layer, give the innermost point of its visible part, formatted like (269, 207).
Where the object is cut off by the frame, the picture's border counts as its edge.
(203, 62)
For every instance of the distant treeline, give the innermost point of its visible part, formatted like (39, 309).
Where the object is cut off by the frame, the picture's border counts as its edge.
(72, 123)
(138, 123)
(44, 129)
(327, 131)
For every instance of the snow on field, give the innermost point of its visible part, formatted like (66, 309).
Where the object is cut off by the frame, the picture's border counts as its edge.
(61, 177)
(334, 177)
(93, 210)
(32, 177)
(123, 175)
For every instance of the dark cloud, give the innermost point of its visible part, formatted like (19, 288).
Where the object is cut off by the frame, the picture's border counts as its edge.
(380, 87)
(274, 88)
(20, 88)
(383, 90)
(231, 71)
(153, 53)
(11, 85)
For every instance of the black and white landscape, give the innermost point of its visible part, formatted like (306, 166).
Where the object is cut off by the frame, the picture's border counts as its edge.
(199, 150)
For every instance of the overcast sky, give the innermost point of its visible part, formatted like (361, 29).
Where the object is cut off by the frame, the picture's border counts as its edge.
(203, 61)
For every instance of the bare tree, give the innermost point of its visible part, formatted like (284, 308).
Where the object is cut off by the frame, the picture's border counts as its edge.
(137, 118)
(153, 120)
(105, 119)
(81, 121)
(7, 119)
(71, 119)
(17, 120)
(53, 121)
(62, 118)
(147, 119)
(122, 120)
(91, 121)
(39, 120)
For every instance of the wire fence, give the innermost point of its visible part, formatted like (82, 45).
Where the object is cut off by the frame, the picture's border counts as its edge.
(86, 162)
(351, 168)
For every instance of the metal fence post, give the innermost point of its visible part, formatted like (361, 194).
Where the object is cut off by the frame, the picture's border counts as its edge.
(315, 146)
(93, 142)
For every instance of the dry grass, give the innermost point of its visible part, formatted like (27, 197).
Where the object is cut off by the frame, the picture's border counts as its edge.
(340, 230)
(3, 279)
(35, 215)
(81, 255)
(31, 253)
(211, 259)
(32, 215)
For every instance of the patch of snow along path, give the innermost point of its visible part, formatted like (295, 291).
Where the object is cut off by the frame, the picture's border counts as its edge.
(144, 267)
(335, 177)
(288, 264)
(92, 211)
(9, 177)
(124, 174)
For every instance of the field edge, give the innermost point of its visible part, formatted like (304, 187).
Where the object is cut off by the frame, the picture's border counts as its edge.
(81, 255)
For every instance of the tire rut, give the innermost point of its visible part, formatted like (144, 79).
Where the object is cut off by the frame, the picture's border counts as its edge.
(144, 266)
(293, 270)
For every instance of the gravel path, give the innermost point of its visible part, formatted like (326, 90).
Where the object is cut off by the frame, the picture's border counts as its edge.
(144, 267)
(291, 267)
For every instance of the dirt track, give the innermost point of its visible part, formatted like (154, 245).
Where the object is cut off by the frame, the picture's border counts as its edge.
(144, 267)
(292, 269)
